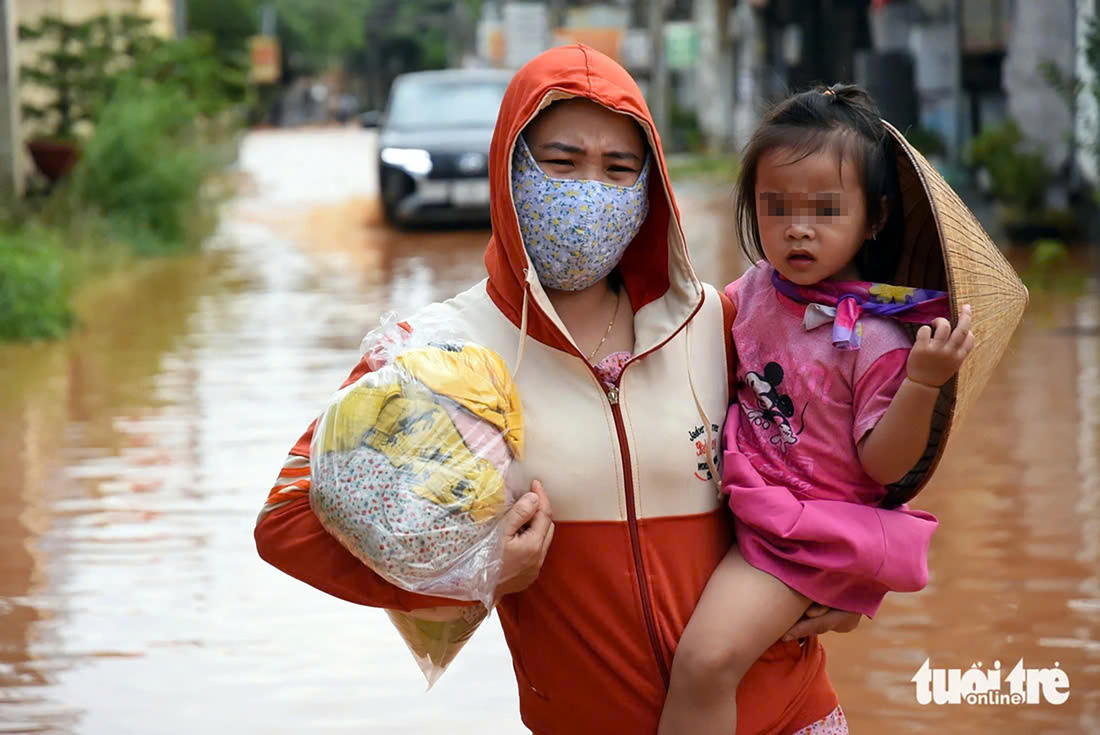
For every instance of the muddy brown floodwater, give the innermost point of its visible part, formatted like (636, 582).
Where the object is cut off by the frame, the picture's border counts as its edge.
(136, 454)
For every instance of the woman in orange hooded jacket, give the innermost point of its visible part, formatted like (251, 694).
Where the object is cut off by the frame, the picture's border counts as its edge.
(622, 358)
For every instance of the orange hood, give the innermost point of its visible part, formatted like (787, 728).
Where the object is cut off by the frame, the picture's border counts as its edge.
(655, 267)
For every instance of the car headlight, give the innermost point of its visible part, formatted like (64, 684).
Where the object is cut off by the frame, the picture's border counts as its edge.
(414, 160)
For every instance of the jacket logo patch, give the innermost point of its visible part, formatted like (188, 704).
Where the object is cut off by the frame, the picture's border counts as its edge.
(698, 437)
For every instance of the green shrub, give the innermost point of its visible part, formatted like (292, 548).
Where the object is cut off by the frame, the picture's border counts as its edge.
(719, 167)
(166, 117)
(927, 141)
(144, 168)
(81, 64)
(1048, 253)
(70, 61)
(685, 128)
(34, 287)
(1019, 177)
(192, 65)
(1051, 268)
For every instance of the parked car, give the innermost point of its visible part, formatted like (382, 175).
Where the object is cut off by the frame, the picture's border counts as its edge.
(433, 146)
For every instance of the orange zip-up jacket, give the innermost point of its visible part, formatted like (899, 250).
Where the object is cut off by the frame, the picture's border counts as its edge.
(639, 526)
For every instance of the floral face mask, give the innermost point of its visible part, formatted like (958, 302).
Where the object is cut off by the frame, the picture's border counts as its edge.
(575, 232)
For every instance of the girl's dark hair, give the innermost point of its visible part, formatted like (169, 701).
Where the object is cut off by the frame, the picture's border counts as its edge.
(844, 119)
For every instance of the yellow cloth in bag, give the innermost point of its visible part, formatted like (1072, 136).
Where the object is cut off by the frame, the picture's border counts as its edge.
(402, 419)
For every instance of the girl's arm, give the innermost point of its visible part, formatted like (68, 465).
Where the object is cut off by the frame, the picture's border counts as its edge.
(900, 437)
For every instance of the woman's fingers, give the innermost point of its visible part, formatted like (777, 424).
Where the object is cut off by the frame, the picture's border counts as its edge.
(529, 531)
(520, 514)
(544, 499)
(542, 529)
(840, 621)
(546, 545)
(540, 526)
(815, 610)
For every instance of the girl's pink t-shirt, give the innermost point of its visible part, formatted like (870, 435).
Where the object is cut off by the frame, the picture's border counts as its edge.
(805, 510)
(803, 405)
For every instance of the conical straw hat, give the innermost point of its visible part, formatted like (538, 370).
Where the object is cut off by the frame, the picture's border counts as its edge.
(946, 249)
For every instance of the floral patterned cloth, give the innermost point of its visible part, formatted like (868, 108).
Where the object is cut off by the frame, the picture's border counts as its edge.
(368, 505)
(408, 464)
(575, 232)
(833, 724)
(611, 367)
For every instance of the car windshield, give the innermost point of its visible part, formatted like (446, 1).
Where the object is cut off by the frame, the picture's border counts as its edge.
(424, 104)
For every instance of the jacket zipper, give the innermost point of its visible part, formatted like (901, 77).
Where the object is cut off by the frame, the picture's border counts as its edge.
(628, 480)
(635, 543)
(631, 512)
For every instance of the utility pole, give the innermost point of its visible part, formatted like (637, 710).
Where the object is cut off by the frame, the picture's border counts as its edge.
(1087, 112)
(179, 17)
(268, 20)
(658, 71)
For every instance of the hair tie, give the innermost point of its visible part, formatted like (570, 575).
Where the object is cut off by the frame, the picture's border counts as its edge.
(829, 92)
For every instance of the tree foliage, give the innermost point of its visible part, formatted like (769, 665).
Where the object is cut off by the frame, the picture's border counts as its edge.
(317, 34)
(78, 66)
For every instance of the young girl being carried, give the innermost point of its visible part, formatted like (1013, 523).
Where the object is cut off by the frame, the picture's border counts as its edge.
(834, 400)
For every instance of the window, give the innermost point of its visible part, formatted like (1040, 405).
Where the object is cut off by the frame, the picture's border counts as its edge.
(424, 103)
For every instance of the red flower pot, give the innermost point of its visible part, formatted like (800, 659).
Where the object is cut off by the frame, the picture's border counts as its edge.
(54, 158)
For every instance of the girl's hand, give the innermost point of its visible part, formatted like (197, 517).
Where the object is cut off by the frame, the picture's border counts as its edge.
(937, 356)
(529, 531)
(820, 619)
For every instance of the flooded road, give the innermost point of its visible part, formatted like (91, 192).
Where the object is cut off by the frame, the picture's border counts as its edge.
(137, 454)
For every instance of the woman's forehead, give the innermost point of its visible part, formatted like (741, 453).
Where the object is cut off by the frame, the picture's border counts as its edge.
(580, 121)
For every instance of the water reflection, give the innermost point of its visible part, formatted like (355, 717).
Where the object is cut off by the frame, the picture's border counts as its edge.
(1015, 565)
(136, 456)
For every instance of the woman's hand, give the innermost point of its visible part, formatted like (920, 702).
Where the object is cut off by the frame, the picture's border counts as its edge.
(936, 356)
(529, 530)
(820, 619)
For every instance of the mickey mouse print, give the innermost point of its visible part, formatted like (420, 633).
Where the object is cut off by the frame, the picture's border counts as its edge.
(774, 408)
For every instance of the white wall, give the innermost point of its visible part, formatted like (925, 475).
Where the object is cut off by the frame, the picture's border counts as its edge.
(1041, 32)
(11, 145)
(714, 80)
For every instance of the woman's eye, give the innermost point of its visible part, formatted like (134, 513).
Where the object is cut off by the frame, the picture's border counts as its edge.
(828, 211)
(622, 170)
(560, 162)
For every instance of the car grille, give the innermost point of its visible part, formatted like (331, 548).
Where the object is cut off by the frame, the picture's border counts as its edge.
(452, 165)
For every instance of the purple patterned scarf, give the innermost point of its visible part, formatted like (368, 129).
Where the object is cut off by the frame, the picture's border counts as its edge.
(843, 302)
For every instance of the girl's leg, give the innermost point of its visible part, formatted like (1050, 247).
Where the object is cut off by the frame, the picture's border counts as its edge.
(742, 612)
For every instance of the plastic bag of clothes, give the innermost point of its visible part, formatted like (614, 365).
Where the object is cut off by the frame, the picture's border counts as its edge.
(409, 470)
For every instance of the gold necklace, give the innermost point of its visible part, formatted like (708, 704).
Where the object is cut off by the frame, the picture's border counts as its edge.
(611, 324)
